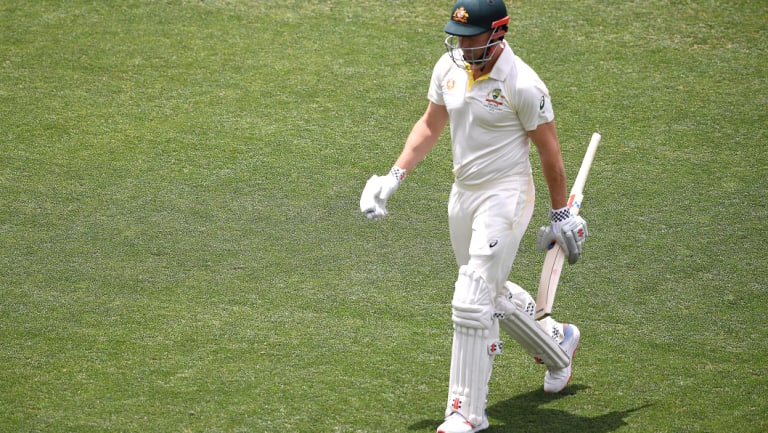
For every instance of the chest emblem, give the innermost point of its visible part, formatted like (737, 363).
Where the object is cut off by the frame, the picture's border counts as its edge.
(494, 101)
(494, 96)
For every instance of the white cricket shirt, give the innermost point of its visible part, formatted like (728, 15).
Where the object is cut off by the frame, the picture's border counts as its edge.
(489, 116)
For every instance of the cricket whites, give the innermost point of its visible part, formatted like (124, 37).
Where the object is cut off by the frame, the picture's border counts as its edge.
(553, 262)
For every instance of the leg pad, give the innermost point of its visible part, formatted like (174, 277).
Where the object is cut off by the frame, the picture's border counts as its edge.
(475, 343)
(516, 319)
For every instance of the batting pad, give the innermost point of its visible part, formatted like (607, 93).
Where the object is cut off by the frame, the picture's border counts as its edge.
(475, 343)
(517, 321)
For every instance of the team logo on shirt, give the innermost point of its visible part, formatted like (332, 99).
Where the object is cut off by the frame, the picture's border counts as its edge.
(494, 101)
(495, 96)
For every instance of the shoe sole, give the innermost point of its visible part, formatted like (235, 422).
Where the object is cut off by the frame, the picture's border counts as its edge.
(482, 426)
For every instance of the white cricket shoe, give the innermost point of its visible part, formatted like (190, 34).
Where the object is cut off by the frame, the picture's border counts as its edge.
(556, 380)
(456, 423)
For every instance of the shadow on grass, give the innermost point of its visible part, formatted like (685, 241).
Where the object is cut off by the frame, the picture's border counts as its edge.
(523, 413)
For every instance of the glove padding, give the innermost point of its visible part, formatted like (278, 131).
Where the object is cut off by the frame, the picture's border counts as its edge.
(569, 234)
(373, 201)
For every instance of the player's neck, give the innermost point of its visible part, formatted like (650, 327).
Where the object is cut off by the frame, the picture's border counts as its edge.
(486, 69)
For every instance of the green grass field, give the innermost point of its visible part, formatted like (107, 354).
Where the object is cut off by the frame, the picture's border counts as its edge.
(182, 249)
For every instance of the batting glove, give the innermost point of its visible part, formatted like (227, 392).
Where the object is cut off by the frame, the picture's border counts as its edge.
(569, 231)
(378, 189)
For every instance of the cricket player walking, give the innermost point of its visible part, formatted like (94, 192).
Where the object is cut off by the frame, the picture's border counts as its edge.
(496, 106)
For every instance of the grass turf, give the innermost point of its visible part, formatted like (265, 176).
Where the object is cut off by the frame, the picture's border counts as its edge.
(182, 249)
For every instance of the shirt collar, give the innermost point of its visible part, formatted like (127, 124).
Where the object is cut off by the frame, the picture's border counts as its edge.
(504, 64)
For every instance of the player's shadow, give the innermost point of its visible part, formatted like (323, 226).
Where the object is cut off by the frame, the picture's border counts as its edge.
(524, 413)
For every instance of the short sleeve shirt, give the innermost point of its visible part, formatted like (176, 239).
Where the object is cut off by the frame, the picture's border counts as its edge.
(490, 116)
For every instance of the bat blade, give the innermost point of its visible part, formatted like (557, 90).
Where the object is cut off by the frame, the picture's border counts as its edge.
(550, 277)
(555, 258)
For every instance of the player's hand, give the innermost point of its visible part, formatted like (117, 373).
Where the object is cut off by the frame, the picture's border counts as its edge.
(569, 232)
(570, 235)
(545, 239)
(378, 189)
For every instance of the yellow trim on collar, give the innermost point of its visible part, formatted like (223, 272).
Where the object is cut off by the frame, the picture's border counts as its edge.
(472, 80)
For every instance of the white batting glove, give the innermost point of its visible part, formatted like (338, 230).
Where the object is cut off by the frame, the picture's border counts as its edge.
(378, 189)
(569, 231)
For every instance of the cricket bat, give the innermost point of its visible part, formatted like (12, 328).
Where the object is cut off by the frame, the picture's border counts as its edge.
(553, 262)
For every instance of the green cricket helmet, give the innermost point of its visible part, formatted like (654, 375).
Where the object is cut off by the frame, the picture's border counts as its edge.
(473, 17)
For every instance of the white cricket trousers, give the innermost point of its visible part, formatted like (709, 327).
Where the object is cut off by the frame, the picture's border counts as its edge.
(487, 222)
